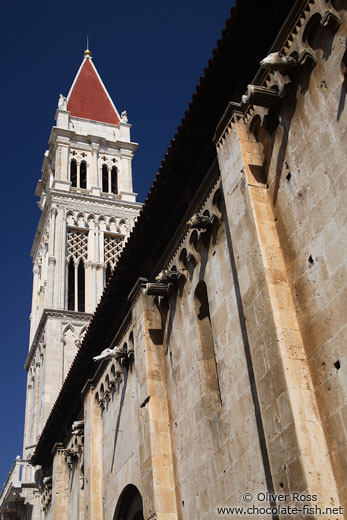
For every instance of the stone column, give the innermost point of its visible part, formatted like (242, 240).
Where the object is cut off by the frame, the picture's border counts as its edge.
(295, 440)
(92, 457)
(60, 255)
(99, 286)
(162, 488)
(90, 271)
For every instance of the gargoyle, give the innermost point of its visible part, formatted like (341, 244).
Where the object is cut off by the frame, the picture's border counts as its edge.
(276, 61)
(112, 353)
(167, 276)
(199, 221)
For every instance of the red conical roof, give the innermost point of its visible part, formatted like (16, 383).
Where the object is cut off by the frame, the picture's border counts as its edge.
(88, 97)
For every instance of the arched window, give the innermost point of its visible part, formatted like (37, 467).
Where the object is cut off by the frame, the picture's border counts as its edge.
(206, 351)
(83, 174)
(129, 506)
(78, 181)
(114, 180)
(73, 173)
(104, 178)
(81, 287)
(71, 285)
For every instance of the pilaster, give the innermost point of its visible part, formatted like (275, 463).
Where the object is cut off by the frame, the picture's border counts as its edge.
(51, 260)
(60, 499)
(92, 450)
(157, 420)
(94, 184)
(286, 391)
(61, 162)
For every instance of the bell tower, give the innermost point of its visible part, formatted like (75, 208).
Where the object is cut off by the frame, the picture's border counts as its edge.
(88, 208)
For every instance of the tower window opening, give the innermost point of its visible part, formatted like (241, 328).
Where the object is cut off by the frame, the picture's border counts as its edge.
(71, 286)
(73, 173)
(83, 174)
(104, 178)
(114, 180)
(81, 287)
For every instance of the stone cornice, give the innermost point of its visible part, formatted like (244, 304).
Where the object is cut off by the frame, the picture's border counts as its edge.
(64, 134)
(94, 200)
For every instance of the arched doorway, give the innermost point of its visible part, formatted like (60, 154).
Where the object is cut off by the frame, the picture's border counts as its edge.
(129, 506)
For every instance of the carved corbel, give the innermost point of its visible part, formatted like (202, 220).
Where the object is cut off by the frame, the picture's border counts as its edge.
(157, 289)
(261, 96)
(77, 428)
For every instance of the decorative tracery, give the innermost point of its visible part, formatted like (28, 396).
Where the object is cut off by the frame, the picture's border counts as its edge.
(112, 249)
(77, 250)
(77, 246)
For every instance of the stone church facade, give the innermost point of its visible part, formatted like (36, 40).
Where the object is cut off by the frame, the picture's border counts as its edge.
(212, 373)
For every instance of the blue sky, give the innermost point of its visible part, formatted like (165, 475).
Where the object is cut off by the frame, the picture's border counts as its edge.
(150, 56)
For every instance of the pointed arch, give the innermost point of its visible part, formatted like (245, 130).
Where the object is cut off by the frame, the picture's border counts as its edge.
(129, 505)
(69, 327)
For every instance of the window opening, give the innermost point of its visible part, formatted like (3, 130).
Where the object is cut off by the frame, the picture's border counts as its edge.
(114, 180)
(71, 286)
(83, 174)
(104, 178)
(73, 173)
(81, 287)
